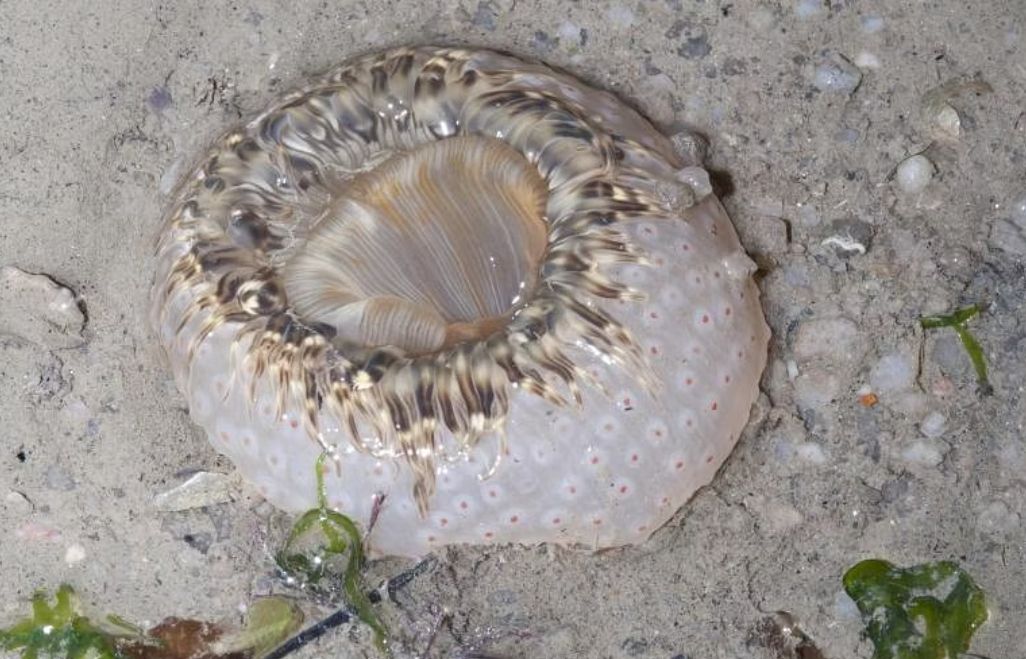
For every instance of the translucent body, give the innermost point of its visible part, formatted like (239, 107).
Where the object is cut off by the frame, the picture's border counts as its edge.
(652, 428)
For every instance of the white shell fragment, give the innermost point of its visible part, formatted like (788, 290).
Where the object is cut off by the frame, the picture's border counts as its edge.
(914, 174)
(204, 488)
(949, 124)
(38, 309)
(608, 386)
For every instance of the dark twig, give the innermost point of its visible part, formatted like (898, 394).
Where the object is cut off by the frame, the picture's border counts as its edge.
(345, 614)
(311, 633)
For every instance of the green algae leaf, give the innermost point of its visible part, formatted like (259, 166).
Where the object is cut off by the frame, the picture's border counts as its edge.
(324, 544)
(957, 321)
(58, 631)
(927, 611)
(271, 620)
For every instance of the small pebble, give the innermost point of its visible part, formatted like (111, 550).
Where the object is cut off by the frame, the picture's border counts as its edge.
(58, 479)
(569, 34)
(816, 389)
(695, 47)
(811, 452)
(74, 554)
(845, 607)
(1019, 211)
(807, 216)
(825, 337)
(808, 8)
(933, 425)
(848, 136)
(1008, 236)
(867, 60)
(835, 73)
(948, 122)
(872, 23)
(620, 16)
(892, 373)
(997, 519)
(914, 174)
(159, 99)
(924, 453)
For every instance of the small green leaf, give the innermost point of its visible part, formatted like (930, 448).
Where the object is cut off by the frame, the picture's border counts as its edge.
(271, 620)
(957, 321)
(928, 611)
(325, 544)
(958, 317)
(59, 631)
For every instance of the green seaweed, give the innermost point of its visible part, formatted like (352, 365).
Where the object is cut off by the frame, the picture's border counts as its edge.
(61, 631)
(325, 544)
(269, 622)
(58, 630)
(927, 611)
(957, 321)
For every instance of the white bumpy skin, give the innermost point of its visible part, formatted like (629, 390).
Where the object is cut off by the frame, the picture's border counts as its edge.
(615, 386)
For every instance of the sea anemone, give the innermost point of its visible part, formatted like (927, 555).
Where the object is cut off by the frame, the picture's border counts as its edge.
(506, 307)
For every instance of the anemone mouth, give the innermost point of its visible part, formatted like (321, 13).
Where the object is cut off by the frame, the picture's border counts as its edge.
(398, 246)
(437, 246)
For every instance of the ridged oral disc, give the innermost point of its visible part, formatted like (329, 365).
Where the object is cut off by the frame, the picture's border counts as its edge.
(436, 246)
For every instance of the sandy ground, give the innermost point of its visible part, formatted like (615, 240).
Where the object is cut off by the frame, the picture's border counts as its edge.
(809, 108)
